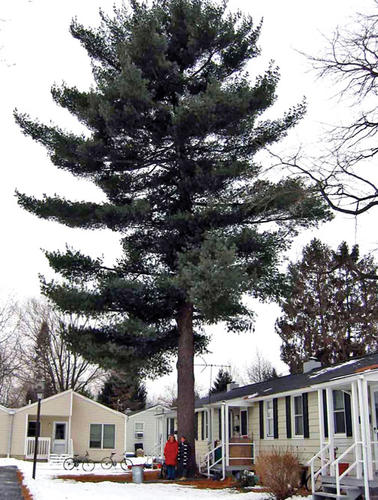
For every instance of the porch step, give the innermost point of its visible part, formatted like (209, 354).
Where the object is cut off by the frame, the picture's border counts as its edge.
(56, 459)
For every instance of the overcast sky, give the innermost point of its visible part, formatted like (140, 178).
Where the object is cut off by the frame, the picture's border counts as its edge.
(36, 50)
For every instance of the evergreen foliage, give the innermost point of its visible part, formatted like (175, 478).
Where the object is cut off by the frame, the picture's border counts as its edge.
(174, 121)
(122, 391)
(220, 383)
(331, 307)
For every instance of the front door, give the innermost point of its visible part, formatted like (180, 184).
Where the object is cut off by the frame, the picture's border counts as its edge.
(59, 438)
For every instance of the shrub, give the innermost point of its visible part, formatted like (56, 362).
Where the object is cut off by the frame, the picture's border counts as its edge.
(279, 471)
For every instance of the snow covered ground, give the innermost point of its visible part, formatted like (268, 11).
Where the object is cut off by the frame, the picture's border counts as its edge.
(46, 487)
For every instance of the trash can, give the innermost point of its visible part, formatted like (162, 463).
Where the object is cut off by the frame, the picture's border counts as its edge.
(137, 472)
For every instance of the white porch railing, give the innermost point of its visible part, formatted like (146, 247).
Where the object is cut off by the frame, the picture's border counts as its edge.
(43, 448)
(208, 461)
(356, 450)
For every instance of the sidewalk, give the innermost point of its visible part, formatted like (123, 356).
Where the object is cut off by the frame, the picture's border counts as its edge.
(10, 488)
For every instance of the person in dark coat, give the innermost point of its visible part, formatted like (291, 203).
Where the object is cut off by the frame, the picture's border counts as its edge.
(183, 457)
(170, 456)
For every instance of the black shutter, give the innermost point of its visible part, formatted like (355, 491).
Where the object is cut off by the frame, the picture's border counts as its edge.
(167, 427)
(220, 422)
(348, 415)
(306, 429)
(275, 418)
(288, 416)
(196, 427)
(202, 425)
(261, 413)
(325, 414)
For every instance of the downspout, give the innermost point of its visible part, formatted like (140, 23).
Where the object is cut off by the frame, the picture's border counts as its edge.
(10, 436)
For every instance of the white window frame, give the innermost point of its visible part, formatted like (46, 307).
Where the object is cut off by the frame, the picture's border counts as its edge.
(343, 433)
(245, 410)
(269, 417)
(138, 431)
(295, 435)
(102, 436)
(206, 424)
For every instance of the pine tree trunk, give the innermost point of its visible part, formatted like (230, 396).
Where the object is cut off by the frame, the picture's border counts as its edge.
(185, 378)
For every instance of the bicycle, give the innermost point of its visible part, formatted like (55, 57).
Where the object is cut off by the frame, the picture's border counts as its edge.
(87, 464)
(109, 462)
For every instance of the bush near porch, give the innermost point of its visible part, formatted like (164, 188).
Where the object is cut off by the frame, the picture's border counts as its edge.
(279, 471)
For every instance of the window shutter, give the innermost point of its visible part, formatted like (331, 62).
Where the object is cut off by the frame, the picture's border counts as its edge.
(325, 414)
(288, 416)
(348, 415)
(167, 427)
(261, 415)
(196, 427)
(275, 418)
(306, 429)
(202, 425)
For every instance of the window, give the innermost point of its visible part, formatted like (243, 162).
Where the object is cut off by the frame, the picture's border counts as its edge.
(32, 427)
(170, 426)
(139, 429)
(339, 412)
(244, 422)
(204, 425)
(269, 419)
(102, 436)
(298, 415)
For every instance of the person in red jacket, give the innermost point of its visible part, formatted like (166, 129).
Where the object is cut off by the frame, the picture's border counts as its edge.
(170, 455)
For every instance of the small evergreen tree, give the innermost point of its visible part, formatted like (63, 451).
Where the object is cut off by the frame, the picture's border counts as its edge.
(331, 307)
(220, 383)
(122, 391)
(174, 122)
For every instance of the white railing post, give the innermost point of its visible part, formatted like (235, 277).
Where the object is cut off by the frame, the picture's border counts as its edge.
(223, 437)
(356, 430)
(227, 433)
(331, 429)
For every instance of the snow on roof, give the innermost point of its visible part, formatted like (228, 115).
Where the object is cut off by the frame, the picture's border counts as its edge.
(251, 396)
(331, 368)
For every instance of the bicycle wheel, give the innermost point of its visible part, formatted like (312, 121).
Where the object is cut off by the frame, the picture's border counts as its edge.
(88, 465)
(69, 464)
(106, 463)
(126, 464)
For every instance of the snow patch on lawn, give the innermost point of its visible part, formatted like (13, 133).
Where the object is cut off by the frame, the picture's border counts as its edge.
(46, 487)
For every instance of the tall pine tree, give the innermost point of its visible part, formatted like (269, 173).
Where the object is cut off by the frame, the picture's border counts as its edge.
(174, 122)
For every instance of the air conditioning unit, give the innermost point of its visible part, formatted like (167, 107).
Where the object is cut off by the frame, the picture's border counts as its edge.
(139, 435)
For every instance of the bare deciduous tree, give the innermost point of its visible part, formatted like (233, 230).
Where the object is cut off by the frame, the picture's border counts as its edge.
(260, 370)
(46, 353)
(346, 174)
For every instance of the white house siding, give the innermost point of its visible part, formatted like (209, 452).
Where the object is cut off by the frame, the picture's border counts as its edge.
(5, 420)
(86, 412)
(150, 438)
(304, 448)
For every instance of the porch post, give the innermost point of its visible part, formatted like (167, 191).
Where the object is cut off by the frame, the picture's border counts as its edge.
(223, 437)
(356, 429)
(227, 420)
(363, 436)
(369, 453)
(321, 425)
(331, 429)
